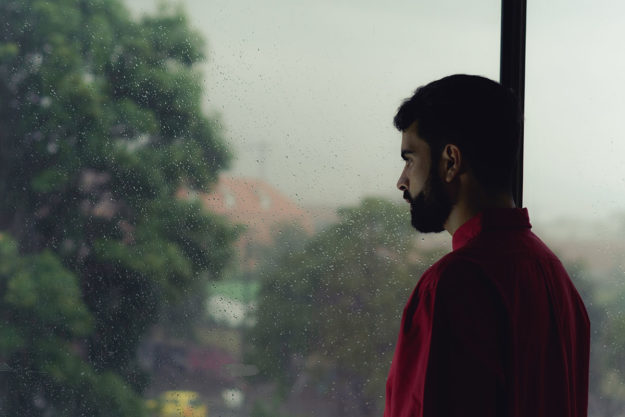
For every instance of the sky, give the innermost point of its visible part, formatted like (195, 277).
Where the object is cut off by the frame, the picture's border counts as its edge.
(306, 92)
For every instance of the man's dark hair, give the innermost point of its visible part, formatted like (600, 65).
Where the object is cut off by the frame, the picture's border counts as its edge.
(476, 114)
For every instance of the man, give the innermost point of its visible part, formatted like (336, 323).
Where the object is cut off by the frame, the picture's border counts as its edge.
(496, 327)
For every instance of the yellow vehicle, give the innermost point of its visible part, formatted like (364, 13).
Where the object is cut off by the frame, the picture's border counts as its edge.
(179, 404)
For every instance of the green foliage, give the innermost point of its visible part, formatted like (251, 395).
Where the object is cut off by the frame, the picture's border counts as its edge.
(100, 126)
(606, 309)
(332, 309)
(268, 408)
(42, 312)
(604, 298)
(40, 294)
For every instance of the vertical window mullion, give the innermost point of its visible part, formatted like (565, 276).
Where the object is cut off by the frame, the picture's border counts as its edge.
(512, 70)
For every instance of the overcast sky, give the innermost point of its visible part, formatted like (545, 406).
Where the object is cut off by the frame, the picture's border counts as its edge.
(316, 84)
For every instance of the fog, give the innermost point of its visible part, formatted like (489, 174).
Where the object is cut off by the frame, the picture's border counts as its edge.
(307, 91)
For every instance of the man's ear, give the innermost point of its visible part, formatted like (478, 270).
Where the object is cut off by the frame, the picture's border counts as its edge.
(452, 162)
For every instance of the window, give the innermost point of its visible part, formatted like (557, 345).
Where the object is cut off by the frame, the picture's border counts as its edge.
(573, 181)
(224, 235)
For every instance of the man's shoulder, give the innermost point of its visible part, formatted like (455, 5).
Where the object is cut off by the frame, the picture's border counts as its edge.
(454, 266)
(456, 277)
(455, 261)
(507, 247)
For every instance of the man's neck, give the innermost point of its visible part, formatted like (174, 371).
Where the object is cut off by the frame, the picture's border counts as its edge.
(471, 205)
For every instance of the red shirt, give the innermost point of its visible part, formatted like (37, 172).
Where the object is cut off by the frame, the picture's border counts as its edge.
(495, 328)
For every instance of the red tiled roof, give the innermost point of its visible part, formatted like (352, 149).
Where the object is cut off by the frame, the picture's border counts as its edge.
(256, 204)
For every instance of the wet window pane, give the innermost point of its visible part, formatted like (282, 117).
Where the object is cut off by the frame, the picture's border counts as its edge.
(199, 214)
(573, 174)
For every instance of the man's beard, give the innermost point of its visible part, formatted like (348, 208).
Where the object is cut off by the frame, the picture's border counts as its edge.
(431, 208)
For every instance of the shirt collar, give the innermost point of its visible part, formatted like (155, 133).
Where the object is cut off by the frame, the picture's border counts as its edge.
(499, 218)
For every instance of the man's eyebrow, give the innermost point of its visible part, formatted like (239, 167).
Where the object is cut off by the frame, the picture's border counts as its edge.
(404, 153)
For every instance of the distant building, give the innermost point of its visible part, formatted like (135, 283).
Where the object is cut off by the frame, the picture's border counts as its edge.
(257, 205)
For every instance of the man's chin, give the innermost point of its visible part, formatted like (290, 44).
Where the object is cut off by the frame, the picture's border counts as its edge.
(423, 224)
(427, 228)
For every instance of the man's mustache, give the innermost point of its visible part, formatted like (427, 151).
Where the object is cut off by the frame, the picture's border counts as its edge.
(407, 196)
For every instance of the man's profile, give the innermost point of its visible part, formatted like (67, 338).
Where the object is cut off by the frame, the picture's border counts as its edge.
(495, 327)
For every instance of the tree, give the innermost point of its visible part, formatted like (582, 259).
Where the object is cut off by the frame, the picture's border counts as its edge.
(332, 311)
(100, 126)
(604, 301)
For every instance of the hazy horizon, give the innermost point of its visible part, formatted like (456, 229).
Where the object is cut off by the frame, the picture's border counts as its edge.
(306, 93)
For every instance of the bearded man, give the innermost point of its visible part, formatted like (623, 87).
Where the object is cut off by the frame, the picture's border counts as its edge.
(496, 327)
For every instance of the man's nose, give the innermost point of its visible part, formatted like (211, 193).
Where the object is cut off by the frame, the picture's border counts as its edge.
(402, 183)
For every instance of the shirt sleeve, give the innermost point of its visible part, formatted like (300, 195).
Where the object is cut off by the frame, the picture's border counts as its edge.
(465, 375)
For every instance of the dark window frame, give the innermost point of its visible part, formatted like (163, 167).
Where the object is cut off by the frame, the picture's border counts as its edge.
(512, 71)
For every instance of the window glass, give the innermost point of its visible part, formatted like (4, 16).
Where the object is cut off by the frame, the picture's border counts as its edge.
(199, 213)
(574, 179)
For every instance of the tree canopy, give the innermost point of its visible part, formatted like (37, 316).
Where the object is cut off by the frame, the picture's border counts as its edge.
(331, 310)
(100, 126)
